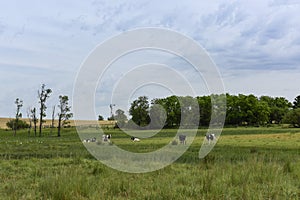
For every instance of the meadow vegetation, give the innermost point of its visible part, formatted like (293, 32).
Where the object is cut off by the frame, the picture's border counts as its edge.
(246, 163)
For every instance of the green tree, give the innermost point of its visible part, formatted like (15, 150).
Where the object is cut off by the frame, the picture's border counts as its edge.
(158, 116)
(293, 117)
(139, 110)
(100, 118)
(204, 109)
(171, 106)
(189, 108)
(121, 118)
(43, 95)
(19, 104)
(296, 103)
(34, 120)
(218, 108)
(255, 112)
(246, 109)
(64, 112)
(21, 124)
(262, 113)
(249, 108)
(234, 112)
(16, 124)
(278, 107)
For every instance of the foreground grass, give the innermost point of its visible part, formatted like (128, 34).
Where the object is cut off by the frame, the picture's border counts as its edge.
(241, 166)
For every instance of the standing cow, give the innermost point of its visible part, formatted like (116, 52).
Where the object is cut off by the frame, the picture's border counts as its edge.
(210, 137)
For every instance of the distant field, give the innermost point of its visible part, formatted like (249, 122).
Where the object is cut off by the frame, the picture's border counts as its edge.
(48, 122)
(246, 163)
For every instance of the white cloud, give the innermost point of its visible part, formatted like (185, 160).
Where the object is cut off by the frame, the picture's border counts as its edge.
(282, 83)
(47, 41)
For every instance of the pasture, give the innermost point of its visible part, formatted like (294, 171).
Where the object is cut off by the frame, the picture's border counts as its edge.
(246, 163)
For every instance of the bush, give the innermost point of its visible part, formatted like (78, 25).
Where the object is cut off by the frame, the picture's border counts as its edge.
(20, 125)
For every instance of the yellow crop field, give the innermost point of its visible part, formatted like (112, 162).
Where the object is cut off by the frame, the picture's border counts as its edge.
(48, 122)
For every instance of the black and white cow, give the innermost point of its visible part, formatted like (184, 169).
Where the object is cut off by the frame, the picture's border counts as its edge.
(210, 137)
(135, 139)
(106, 138)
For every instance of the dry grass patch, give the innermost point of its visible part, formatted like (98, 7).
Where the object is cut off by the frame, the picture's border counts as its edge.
(48, 122)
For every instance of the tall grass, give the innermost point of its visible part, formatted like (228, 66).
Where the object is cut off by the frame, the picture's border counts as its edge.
(61, 168)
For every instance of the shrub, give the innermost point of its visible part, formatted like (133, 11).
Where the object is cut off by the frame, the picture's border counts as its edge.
(20, 124)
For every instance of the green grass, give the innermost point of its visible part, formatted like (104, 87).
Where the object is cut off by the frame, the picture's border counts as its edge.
(246, 163)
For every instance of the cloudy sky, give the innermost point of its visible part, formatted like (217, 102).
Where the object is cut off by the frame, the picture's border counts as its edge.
(255, 44)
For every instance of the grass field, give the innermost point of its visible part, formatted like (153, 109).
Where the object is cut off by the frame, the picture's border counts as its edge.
(246, 163)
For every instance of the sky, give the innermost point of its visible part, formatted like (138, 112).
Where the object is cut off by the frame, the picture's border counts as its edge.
(255, 45)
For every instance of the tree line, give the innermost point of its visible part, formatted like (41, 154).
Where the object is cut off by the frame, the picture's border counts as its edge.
(36, 116)
(241, 110)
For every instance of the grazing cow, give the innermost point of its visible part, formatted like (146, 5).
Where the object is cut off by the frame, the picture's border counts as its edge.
(86, 140)
(135, 139)
(89, 140)
(210, 137)
(106, 138)
(182, 139)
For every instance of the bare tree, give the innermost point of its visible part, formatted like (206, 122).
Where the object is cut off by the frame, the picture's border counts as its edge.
(53, 118)
(19, 104)
(43, 95)
(64, 112)
(28, 112)
(34, 119)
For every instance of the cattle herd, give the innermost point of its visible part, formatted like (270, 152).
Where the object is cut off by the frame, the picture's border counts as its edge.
(182, 138)
(105, 138)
